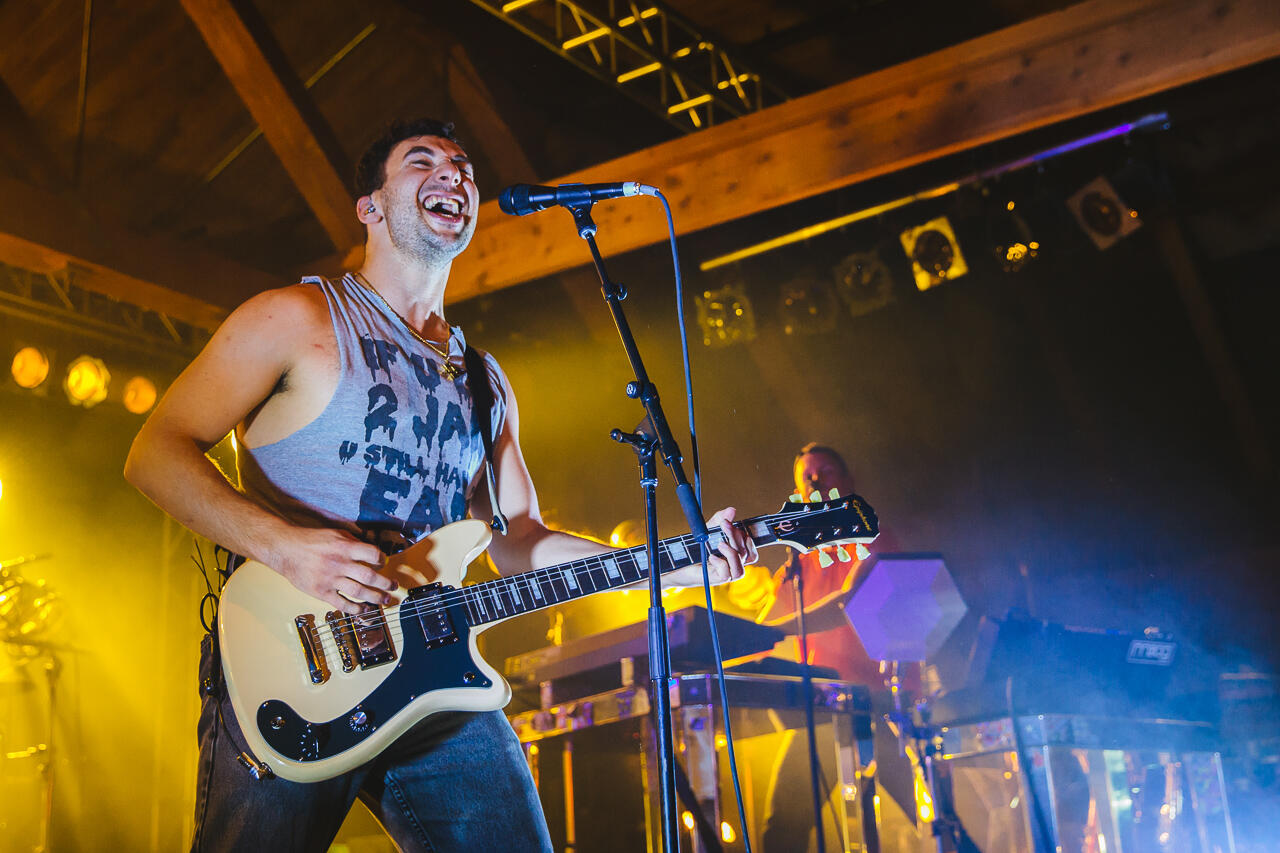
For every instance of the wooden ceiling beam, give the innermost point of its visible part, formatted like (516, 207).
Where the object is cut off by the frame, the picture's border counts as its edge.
(49, 232)
(1049, 69)
(279, 104)
(23, 147)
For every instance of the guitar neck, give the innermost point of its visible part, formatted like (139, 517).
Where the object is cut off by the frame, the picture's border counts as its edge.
(495, 600)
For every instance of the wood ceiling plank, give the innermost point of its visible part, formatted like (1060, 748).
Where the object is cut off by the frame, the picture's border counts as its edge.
(279, 104)
(23, 146)
(1084, 58)
(48, 232)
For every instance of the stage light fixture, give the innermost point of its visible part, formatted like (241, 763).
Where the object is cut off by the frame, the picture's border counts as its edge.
(726, 316)
(86, 381)
(30, 367)
(934, 252)
(139, 395)
(807, 305)
(864, 282)
(1102, 213)
(1014, 247)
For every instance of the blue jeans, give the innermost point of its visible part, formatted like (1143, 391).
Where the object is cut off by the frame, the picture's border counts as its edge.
(455, 782)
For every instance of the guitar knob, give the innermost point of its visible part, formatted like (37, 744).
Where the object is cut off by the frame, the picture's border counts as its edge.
(359, 721)
(277, 722)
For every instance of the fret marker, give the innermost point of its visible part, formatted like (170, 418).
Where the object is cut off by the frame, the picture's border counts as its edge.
(533, 589)
(678, 552)
(611, 568)
(642, 559)
(570, 579)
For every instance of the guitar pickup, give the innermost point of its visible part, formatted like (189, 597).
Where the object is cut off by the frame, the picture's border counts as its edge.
(312, 650)
(363, 640)
(432, 615)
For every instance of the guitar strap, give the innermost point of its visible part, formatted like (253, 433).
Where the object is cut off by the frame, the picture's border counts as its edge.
(482, 402)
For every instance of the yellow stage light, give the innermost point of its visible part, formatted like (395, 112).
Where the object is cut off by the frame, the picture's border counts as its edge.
(726, 832)
(30, 367)
(687, 819)
(934, 253)
(726, 316)
(139, 395)
(86, 381)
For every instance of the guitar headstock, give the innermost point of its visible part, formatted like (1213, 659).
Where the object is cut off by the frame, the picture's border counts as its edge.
(817, 523)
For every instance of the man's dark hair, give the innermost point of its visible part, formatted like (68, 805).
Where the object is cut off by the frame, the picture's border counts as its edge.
(371, 170)
(814, 447)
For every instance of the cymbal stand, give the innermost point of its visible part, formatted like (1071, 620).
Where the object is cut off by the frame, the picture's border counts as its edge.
(795, 572)
(916, 730)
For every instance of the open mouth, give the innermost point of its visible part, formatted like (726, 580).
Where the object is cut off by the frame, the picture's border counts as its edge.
(445, 207)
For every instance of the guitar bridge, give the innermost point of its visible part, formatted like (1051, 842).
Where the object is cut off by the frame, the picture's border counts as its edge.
(362, 640)
(312, 650)
(344, 635)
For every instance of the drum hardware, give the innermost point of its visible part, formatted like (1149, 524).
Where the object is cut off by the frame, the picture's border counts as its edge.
(29, 611)
(903, 610)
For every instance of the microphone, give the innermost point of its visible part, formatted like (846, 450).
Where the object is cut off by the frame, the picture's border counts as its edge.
(521, 199)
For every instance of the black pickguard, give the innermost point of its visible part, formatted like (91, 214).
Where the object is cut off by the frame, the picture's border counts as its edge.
(424, 665)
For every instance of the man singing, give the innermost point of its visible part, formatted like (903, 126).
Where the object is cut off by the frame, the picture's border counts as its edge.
(357, 437)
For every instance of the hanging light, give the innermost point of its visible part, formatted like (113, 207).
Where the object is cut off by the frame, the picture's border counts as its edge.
(726, 316)
(139, 395)
(934, 252)
(807, 305)
(1102, 213)
(30, 367)
(86, 381)
(1014, 247)
(864, 282)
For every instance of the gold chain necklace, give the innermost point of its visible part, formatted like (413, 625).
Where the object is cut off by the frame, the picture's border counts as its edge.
(446, 367)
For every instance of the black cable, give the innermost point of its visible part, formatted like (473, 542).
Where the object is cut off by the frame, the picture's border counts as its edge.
(697, 487)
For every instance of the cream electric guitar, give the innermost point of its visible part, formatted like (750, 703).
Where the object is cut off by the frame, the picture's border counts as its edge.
(318, 692)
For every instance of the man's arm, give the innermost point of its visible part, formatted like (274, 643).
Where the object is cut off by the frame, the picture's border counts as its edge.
(241, 368)
(530, 544)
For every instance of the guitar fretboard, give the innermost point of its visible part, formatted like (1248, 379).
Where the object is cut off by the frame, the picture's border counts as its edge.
(510, 596)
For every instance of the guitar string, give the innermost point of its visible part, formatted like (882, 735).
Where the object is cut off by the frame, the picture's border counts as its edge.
(330, 645)
(550, 574)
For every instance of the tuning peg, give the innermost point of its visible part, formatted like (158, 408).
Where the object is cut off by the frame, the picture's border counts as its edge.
(824, 559)
(833, 495)
(842, 555)
(816, 496)
(861, 551)
(795, 499)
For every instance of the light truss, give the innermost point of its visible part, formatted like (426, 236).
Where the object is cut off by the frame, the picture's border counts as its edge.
(647, 52)
(54, 300)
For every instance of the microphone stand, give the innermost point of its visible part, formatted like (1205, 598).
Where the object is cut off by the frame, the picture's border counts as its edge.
(664, 442)
(796, 573)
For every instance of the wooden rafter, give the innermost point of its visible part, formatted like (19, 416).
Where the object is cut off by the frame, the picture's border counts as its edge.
(1052, 68)
(279, 104)
(49, 233)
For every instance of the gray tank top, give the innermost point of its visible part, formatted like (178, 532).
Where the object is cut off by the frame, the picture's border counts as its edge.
(395, 452)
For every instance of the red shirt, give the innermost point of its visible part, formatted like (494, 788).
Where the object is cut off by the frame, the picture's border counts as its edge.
(837, 648)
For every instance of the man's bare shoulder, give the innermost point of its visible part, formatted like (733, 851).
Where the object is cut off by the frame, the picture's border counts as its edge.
(286, 310)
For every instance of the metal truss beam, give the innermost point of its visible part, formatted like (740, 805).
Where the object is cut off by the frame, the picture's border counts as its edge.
(54, 300)
(645, 51)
